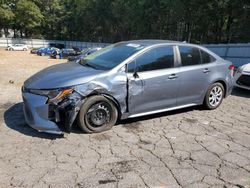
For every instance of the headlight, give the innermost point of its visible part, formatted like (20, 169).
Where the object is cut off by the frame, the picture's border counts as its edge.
(54, 96)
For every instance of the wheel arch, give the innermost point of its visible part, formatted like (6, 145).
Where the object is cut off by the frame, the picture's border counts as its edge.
(108, 96)
(221, 81)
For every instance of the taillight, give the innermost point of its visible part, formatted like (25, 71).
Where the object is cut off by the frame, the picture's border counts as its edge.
(231, 67)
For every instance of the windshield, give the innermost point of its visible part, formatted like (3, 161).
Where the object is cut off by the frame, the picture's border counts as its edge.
(111, 56)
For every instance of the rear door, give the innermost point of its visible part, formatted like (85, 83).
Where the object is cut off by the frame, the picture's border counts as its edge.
(195, 74)
(153, 81)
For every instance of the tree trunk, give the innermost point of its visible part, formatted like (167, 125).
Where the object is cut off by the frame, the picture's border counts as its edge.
(229, 25)
(6, 32)
(14, 33)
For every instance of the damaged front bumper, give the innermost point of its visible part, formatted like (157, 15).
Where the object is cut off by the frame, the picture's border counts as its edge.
(51, 118)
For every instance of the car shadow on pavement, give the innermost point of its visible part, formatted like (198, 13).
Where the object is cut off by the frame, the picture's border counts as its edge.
(14, 119)
(241, 92)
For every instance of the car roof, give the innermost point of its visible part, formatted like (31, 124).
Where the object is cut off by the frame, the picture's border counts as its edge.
(150, 42)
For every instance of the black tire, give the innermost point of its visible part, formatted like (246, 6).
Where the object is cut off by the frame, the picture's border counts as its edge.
(101, 105)
(11, 49)
(210, 98)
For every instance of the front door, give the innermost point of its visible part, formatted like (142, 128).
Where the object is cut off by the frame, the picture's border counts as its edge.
(152, 81)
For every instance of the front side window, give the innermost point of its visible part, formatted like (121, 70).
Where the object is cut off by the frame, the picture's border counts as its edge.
(156, 59)
(189, 56)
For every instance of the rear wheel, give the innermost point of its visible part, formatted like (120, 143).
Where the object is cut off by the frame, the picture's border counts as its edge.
(97, 114)
(214, 96)
(42, 54)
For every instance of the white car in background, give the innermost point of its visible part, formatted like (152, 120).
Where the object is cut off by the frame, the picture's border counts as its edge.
(17, 47)
(242, 77)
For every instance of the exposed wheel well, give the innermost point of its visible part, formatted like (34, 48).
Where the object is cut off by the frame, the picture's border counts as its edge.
(109, 97)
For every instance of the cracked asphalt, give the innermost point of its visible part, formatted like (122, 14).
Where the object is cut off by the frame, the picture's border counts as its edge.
(184, 148)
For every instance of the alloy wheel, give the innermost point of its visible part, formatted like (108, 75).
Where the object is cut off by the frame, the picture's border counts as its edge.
(215, 96)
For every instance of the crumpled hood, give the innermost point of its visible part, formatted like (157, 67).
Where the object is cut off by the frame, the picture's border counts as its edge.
(61, 75)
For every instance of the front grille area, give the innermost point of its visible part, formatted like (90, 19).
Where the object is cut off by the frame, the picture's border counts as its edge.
(244, 80)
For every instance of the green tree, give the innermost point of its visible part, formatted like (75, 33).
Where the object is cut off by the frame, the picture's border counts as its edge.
(6, 18)
(196, 21)
(28, 17)
(53, 25)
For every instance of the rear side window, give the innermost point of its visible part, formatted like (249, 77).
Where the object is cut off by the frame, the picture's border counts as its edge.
(156, 59)
(206, 58)
(190, 56)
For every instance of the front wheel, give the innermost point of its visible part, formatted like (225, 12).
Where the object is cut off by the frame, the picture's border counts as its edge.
(97, 114)
(214, 96)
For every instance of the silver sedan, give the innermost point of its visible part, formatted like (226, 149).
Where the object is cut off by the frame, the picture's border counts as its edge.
(125, 80)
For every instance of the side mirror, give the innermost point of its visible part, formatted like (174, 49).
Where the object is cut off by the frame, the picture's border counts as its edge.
(135, 75)
(133, 69)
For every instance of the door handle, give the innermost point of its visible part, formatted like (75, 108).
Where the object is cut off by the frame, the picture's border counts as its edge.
(172, 77)
(206, 70)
